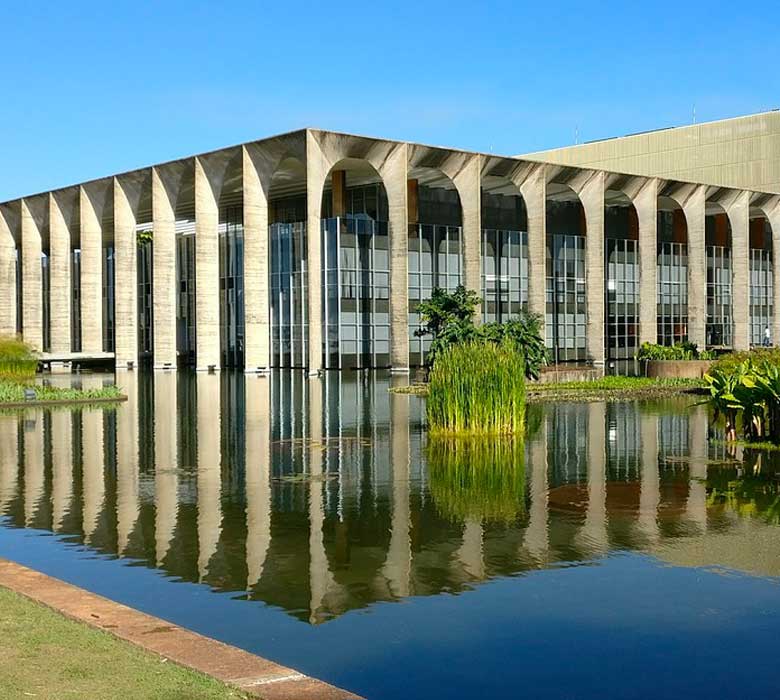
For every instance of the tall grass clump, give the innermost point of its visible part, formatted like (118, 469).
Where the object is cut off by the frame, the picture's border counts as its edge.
(18, 361)
(477, 478)
(477, 388)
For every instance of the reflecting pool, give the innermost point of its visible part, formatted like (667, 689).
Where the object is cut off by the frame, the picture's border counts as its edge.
(619, 551)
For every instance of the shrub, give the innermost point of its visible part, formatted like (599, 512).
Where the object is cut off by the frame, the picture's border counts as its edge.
(678, 351)
(759, 356)
(448, 317)
(477, 387)
(525, 331)
(477, 479)
(18, 360)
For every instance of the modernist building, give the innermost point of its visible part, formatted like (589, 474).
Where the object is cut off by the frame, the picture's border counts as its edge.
(312, 249)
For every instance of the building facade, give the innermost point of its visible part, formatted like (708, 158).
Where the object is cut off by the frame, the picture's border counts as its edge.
(313, 249)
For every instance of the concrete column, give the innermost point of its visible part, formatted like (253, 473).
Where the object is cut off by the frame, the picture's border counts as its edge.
(91, 205)
(7, 275)
(534, 191)
(773, 215)
(257, 265)
(61, 467)
(398, 565)
(591, 195)
(59, 273)
(650, 481)
(166, 459)
(32, 290)
(258, 476)
(93, 476)
(646, 205)
(125, 276)
(594, 531)
(694, 208)
(164, 187)
(9, 459)
(469, 184)
(395, 177)
(207, 341)
(209, 478)
(316, 172)
(739, 218)
(127, 466)
(34, 478)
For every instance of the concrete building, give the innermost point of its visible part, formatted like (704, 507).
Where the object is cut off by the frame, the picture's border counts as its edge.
(312, 249)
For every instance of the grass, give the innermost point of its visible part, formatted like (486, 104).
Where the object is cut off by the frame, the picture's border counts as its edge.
(17, 359)
(45, 655)
(13, 392)
(477, 478)
(477, 388)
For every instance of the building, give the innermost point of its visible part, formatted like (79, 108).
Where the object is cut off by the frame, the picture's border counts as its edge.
(312, 249)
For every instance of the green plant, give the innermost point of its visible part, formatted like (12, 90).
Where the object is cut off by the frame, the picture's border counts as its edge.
(525, 331)
(679, 351)
(477, 479)
(448, 317)
(18, 360)
(477, 387)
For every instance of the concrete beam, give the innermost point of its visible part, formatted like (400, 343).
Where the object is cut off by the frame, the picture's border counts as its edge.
(92, 204)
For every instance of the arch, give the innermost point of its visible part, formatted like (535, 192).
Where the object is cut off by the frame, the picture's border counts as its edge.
(355, 258)
(567, 305)
(621, 279)
(764, 227)
(672, 271)
(504, 249)
(435, 247)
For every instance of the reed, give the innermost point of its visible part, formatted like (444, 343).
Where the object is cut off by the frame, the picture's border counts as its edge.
(477, 388)
(477, 478)
(18, 361)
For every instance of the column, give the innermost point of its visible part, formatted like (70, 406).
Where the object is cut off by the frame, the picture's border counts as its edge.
(125, 276)
(646, 205)
(739, 218)
(59, 274)
(32, 289)
(594, 530)
(773, 215)
(395, 176)
(207, 345)
(163, 269)
(61, 467)
(592, 197)
(469, 184)
(257, 309)
(127, 460)
(7, 275)
(209, 479)
(650, 480)
(91, 205)
(316, 172)
(258, 476)
(166, 459)
(34, 478)
(697, 267)
(534, 191)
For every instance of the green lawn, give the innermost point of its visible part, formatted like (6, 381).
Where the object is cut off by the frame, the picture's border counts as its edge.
(11, 392)
(47, 656)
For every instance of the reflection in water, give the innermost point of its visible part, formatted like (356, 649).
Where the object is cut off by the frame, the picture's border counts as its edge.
(319, 496)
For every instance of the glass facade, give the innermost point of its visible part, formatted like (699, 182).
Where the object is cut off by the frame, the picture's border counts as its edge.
(504, 274)
(761, 283)
(719, 281)
(75, 301)
(289, 297)
(356, 292)
(185, 290)
(108, 299)
(621, 252)
(144, 274)
(672, 278)
(434, 261)
(566, 305)
(231, 285)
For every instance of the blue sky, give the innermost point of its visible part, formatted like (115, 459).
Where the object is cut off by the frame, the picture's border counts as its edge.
(93, 88)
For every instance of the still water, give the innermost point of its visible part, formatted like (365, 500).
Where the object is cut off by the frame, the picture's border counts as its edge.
(620, 551)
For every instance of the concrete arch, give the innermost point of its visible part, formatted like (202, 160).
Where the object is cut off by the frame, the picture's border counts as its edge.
(768, 207)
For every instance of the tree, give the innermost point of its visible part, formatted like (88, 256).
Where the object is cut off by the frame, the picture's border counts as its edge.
(448, 317)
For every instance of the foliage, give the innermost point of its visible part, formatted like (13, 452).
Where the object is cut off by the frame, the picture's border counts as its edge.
(18, 360)
(730, 361)
(144, 237)
(477, 387)
(678, 351)
(477, 479)
(448, 317)
(13, 392)
(750, 494)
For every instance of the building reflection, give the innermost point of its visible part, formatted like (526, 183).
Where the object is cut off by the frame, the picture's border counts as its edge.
(320, 496)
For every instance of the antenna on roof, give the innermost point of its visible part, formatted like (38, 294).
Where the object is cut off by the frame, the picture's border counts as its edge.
(694, 112)
(576, 135)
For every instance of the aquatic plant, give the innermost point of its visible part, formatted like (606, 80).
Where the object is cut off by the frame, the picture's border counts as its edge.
(18, 361)
(477, 388)
(525, 331)
(477, 478)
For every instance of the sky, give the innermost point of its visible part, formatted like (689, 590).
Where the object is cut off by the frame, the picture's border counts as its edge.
(94, 88)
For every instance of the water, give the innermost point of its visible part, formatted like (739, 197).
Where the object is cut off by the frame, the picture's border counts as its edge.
(620, 552)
